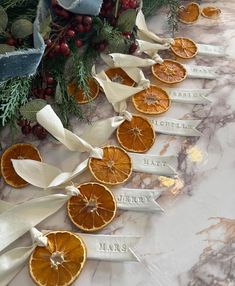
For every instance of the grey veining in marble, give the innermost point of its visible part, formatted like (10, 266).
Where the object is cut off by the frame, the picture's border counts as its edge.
(192, 243)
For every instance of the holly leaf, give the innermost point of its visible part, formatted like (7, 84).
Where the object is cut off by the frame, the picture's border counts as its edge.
(21, 28)
(4, 48)
(45, 28)
(126, 20)
(30, 109)
(3, 19)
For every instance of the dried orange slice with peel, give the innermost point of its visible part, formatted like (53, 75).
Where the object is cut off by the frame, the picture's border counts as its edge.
(189, 14)
(184, 48)
(136, 135)
(60, 262)
(211, 12)
(153, 100)
(169, 71)
(17, 151)
(93, 209)
(114, 168)
(79, 94)
(120, 76)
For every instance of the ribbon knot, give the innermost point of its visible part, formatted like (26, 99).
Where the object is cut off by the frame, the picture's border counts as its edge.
(157, 58)
(72, 190)
(126, 115)
(97, 153)
(38, 238)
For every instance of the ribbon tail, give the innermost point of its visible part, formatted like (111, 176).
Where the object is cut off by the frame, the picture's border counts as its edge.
(21, 218)
(12, 262)
(109, 125)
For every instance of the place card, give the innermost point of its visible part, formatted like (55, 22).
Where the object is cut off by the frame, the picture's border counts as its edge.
(210, 50)
(178, 127)
(194, 71)
(138, 199)
(153, 164)
(190, 96)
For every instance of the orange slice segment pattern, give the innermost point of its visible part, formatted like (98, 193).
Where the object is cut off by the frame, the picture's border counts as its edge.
(93, 209)
(120, 76)
(17, 151)
(79, 95)
(115, 167)
(211, 12)
(60, 262)
(169, 72)
(152, 100)
(136, 135)
(189, 14)
(184, 48)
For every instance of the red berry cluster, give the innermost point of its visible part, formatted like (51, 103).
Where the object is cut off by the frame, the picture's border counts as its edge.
(37, 129)
(129, 4)
(44, 86)
(75, 29)
(107, 8)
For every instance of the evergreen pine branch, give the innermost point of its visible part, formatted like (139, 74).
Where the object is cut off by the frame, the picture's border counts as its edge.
(13, 94)
(172, 15)
(150, 6)
(66, 104)
(6, 4)
(116, 42)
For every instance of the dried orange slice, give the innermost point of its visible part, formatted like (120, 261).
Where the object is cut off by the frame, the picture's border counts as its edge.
(115, 167)
(153, 100)
(93, 209)
(189, 14)
(211, 12)
(120, 76)
(136, 135)
(17, 151)
(169, 72)
(184, 48)
(60, 262)
(79, 95)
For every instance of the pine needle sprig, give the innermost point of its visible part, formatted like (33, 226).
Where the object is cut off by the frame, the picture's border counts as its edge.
(6, 4)
(150, 6)
(13, 94)
(172, 15)
(116, 42)
(66, 104)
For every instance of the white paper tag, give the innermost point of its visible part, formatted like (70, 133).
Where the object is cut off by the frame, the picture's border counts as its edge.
(110, 247)
(152, 164)
(201, 72)
(176, 127)
(191, 96)
(137, 199)
(210, 50)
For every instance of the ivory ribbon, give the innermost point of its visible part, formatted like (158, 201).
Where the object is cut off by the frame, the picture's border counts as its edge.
(51, 122)
(152, 49)
(20, 218)
(13, 261)
(145, 34)
(131, 65)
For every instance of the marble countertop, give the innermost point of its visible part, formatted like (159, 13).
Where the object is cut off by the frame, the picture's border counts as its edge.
(193, 242)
